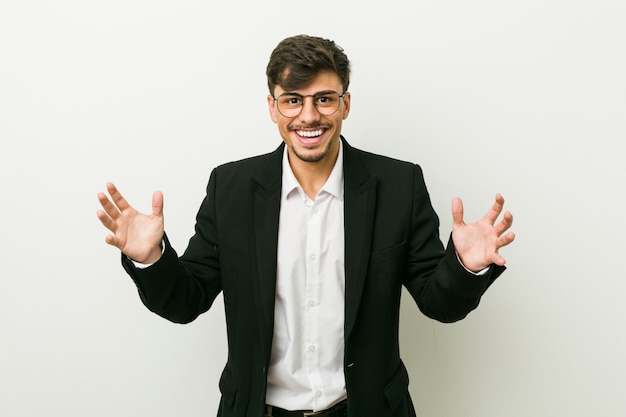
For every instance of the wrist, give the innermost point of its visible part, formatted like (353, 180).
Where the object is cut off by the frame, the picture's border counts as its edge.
(152, 257)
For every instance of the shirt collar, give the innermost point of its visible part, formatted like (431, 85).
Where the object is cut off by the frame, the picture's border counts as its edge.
(333, 185)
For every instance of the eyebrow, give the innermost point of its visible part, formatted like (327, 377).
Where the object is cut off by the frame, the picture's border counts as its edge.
(293, 93)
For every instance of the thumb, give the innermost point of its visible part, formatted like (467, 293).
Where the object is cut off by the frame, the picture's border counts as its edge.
(457, 212)
(157, 204)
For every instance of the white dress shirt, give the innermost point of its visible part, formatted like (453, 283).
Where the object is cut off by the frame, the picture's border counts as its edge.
(306, 366)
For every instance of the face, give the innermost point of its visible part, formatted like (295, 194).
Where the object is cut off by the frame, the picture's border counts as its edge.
(310, 136)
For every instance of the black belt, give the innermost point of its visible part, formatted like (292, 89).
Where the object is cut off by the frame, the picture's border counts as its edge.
(337, 410)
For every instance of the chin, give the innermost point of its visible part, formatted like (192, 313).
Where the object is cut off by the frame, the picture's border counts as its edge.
(310, 156)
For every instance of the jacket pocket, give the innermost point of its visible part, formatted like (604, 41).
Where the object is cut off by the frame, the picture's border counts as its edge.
(397, 389)
(388, 253)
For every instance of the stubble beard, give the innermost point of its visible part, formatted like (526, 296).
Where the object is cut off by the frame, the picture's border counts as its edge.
(313, 157)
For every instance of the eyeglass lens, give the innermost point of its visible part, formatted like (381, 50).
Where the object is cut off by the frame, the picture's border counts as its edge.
(290, 104)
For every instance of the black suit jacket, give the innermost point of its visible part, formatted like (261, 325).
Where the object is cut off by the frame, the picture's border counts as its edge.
(391, 240)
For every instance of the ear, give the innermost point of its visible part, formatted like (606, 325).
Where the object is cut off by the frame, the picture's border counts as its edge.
(272, 108)
(346, 105)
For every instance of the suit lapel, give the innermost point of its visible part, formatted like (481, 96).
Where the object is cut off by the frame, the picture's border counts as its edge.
(265, 196)
(359, 205)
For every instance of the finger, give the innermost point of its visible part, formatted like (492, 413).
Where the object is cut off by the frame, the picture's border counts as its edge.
(498, 260)
(112, 240)
(110, 209)
(117, 197)
(495, 209)
(457, 212)
(106, 220)
(505, 240)
(505, 223)
(157, 203)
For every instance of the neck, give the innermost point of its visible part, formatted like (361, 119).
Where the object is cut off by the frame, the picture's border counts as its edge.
(313, 175)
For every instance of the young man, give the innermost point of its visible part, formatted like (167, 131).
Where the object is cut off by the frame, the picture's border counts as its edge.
(310, 246)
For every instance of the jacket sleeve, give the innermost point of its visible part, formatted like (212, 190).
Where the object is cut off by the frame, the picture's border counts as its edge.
(180, 289)
(442, 288)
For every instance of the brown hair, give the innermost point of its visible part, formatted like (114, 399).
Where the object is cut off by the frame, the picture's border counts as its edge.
(298, 59)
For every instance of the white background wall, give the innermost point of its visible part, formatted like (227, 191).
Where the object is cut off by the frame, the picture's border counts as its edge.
(526, 98)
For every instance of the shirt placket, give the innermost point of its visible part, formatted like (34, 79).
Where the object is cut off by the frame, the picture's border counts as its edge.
(312, 291)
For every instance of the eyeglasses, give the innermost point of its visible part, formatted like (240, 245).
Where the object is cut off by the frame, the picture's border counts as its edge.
(291, 104)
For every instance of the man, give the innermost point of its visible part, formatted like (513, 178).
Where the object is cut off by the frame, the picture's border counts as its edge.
(310, 246)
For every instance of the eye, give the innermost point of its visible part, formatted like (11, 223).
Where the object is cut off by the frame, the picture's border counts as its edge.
(292, 101)
(326, 99)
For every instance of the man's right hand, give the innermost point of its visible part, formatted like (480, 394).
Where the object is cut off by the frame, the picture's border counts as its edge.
(137, 235)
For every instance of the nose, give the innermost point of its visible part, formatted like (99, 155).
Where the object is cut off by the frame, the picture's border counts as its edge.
(309, 112)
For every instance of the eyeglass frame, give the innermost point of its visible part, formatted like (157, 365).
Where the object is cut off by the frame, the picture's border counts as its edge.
(302, 97)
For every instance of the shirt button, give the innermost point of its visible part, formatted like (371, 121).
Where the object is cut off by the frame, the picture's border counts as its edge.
(318, 394)
(312, 256)
(312, 302)
(312, 348)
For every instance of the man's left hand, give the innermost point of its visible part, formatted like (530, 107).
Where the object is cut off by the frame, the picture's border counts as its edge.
(477, 244)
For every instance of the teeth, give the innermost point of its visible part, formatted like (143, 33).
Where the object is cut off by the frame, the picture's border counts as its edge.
(309, 133)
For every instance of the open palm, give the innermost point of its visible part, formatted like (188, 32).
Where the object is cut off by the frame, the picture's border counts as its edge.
(477, 244)
(136, 234)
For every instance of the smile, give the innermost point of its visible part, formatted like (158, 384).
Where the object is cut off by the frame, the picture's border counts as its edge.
(310, 133)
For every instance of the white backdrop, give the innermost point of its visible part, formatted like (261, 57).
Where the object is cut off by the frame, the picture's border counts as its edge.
(526, 98)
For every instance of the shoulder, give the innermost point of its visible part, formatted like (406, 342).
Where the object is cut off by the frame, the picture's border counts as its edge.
(374, 158)
(380, 166)
(251, 164)
(264, 169)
